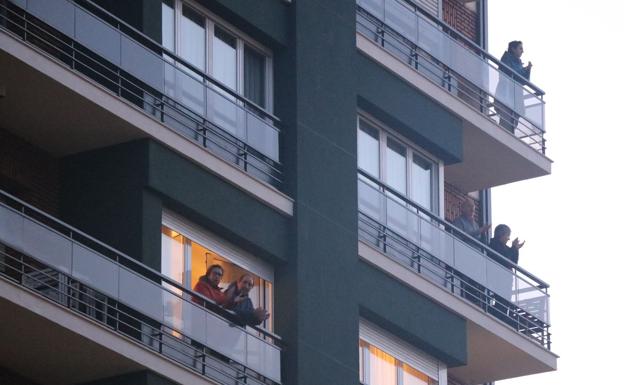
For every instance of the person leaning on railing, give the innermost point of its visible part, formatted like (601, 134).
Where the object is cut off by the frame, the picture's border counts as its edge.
(241, 303)
(466, 222)
(208, 286)
(509, 94)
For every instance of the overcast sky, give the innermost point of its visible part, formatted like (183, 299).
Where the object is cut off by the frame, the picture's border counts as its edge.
(573, 220)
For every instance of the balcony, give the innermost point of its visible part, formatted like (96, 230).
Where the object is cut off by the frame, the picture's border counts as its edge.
(41, 255)
(90, 43)
(506, 306)
(467, 80)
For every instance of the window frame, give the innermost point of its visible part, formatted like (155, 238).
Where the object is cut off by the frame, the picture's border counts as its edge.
(210, 21)
(401, 351)
(233, 254)
(437, 166)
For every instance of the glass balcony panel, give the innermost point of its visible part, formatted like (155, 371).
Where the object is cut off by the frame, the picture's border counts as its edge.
(413, 226)
(470, 262)
(20, 3)
(47, 246)
(533, 109)
(97, 271)
(397, 217)
(371, 201)
(430, 39)
(225, 113)
(434, 240)
(531, 299)
(262, 136)
(505, 90)
(434, 270)
(226, 338)
(140, 294)
(57, 13)
(190, 91)
(263, 357)
(374, 7)
(11, 228)
(401, 18)
(499, 279)
(142, 64)
(98, 36)
(468, 64)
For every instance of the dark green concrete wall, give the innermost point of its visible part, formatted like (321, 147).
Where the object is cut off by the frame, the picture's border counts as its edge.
(117, 194)
(408, 111)
(404, 312)
(266, 20)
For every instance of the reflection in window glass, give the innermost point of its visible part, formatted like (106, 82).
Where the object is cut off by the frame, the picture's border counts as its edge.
(193, 48)
(368, 149)
(255, 76)
(224, 58)
(168, 25)
(421, 182)
(396, 169)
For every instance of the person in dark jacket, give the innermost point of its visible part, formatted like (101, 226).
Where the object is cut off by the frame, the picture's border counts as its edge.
(509, 94)
(502, 233)
(241, 303)
(503, 307)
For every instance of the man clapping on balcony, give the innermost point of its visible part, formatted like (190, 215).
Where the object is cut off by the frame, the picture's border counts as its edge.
(466, 222)
(241, 303)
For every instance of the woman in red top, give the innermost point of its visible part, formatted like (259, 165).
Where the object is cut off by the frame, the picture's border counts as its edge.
(208, 286)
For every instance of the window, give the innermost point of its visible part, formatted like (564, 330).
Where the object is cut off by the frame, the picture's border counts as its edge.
(218, 50)
(187, 251)
(386, 360)
(389, 159)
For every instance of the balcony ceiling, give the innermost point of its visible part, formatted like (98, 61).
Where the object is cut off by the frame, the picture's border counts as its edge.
(48, 353)
(43, 112)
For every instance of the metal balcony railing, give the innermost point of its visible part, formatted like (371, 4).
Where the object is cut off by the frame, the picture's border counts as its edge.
(450, 258)
(455, 63)
(89, 40)
(51, 258)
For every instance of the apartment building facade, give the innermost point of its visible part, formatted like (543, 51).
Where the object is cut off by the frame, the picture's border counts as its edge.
(322, 147)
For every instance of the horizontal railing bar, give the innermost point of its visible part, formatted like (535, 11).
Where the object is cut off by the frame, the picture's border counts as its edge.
(473, 242)
(384, 29)
(485, 297)
(472, 44)
(71, 299)
(205, 123)
(118, 254)
(166, 51)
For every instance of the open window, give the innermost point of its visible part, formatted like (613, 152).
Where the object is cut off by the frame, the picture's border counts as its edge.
(188, 250)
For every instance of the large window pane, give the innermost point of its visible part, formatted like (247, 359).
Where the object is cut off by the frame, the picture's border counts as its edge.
(368, 149)
(172, 259)
(421, 182)
(396, 166)
(224, 58)
(255, 77)
(168, 25)
(412, 376)
(383, 370)
(193, 45)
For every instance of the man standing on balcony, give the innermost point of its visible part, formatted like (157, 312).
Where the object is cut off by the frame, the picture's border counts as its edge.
(502, 233)
(466, 222)
(509, 92)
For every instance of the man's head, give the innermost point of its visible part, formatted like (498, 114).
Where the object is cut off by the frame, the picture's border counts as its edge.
(502, 233)
(214, 274)
(245, 283)
(515, 47)
(468, 209)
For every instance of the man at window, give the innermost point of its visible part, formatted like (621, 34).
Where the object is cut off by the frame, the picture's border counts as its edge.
(466, 222)
(241, 303)
(208, 286)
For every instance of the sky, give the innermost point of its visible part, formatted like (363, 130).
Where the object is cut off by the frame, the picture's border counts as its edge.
(572, 220)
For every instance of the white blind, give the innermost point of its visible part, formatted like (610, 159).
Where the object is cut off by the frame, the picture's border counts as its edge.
(210, 241)
(401, 350)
